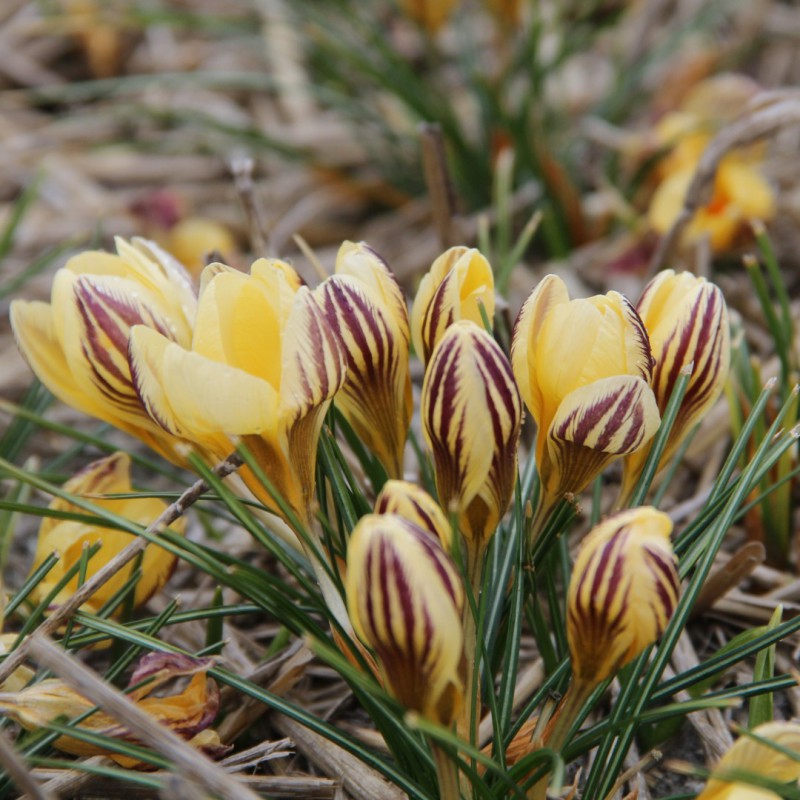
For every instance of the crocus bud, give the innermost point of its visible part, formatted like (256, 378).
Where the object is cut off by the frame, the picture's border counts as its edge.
(749, 757)
(430, 14)
(471, 416)
(364, 305)
(405, 599)
(584, 369)
(623, 591)
(230, 383)
(413, 503)
(687, 323)
(68, 538)
(78, 343)
(455, 288)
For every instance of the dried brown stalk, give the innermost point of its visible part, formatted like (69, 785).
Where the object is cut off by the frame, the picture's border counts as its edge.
(70, 606)
(19, 772)
(440, 186)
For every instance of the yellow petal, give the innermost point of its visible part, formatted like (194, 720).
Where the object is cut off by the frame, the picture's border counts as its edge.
(405, 599)
(195, 397)
(413, 503)
(623, 591)
(594, 425)
(471, 414)
(455, 288)
(376, 395)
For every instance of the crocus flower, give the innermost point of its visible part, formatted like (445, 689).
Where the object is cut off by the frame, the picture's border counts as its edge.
(458, 284)
(188, 712)
(68, 538)
(78, 343)
(365, 306)
(749, 757)
(687, 323)
(414, 504)
(405, 600)
(430, 14)
(471, 417)
(584, 369)
(623, 591)
(262, 365)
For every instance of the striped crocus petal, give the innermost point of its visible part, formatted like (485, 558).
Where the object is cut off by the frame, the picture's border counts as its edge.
(768, 758)
(376, 395)
(623, 592)
(405, 599)
(595, 425)
(471, 417)
(459, 283)
(413, 503)
(687, 320)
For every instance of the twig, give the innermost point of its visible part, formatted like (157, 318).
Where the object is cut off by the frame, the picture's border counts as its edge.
(757, 125)
(82, 594)
(440, 187)
(19, 772)
(241, 167)
(188, 761)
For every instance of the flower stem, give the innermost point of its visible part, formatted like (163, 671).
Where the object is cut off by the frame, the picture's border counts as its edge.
(447, 774)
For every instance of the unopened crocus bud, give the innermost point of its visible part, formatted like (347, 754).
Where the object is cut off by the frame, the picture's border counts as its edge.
(413, 503)
(77, 345)
(68, 538)
(364, 305)
(459, 283)
(405, 599)
(749, 757)
(687, 323)
(471, 416)
(623, 591)
(584, 369)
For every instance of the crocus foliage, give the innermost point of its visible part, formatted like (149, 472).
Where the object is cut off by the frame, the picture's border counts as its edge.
(762, 755)
(365, 307)
(623, 591)
(69, 538)
(584, 368)
(188, 712)
(78, 343)
(405, 598)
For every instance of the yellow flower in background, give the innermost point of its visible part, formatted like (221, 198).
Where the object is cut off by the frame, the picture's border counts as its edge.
(405, 599)
(365, 307)
(623, 591)
(430, 14)
(262, 365)
(471, 416)
(78, 343)
(740, 194)
(584, 369)
(188, 712)
(458, 284)
(750, 757)
(193, 239)
(68, 538)
(413, 503)
(687, 322)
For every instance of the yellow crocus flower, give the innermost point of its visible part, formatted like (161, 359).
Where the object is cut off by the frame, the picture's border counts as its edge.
(471, 416)
(748, 756)
(623, 591)
(263, 365)
(413, 503)
(584, 369)
(69, 538)
(405, 599)
(365, 306)
(78, 343)
(458, 284)
(687, 323)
